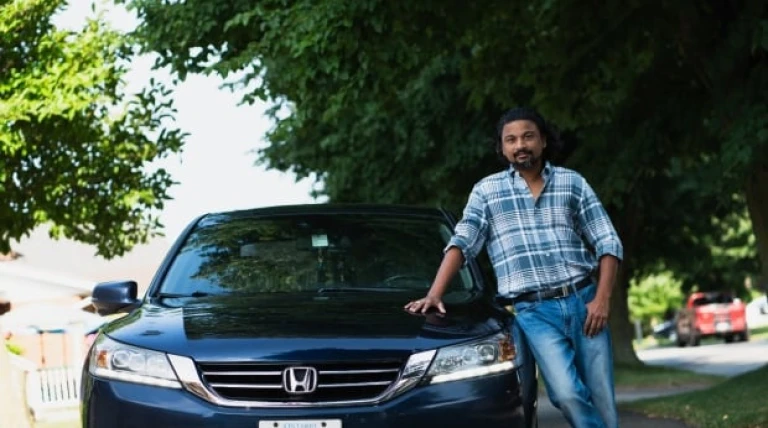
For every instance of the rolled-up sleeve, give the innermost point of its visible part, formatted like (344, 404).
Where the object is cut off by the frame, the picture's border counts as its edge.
(471, 231)
(596, 226)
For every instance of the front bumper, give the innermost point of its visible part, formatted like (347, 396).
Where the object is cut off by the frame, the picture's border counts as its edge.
(488, 402)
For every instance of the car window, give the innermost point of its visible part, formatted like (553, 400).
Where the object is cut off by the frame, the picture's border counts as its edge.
(311, 253)
(710, 299)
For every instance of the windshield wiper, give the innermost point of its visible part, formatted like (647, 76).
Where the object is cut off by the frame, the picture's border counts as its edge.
(361, 289)
(182, 295)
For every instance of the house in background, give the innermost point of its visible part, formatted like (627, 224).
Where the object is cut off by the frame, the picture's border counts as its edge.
(46, 320)
(79, 260)
(49, 282)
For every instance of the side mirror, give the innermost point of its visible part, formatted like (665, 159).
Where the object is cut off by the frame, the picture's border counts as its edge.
(115, 296)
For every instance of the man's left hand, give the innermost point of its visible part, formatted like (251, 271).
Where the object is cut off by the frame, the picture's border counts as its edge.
(597, 316)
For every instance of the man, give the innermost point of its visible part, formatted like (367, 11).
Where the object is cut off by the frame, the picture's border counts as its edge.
(548, 236)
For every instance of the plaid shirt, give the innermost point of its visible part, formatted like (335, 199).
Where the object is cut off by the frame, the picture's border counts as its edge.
(552, 241)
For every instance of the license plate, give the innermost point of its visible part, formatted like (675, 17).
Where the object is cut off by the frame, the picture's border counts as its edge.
(302, 423)
(722, 327)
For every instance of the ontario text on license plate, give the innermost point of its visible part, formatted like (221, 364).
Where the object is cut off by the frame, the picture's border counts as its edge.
(302, 423)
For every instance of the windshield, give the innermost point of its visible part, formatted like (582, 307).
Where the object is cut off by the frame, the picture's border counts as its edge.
(320, 254)
(714, 298)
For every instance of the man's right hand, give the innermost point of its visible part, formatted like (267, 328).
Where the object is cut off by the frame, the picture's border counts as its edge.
(424, 304)
(452, 261)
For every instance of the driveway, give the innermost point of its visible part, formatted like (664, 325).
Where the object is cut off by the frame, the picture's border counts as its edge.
(725, 359)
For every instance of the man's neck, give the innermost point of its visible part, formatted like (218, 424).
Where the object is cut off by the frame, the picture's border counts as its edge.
(531, 174)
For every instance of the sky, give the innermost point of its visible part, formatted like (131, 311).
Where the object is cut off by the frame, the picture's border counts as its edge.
(216, 170)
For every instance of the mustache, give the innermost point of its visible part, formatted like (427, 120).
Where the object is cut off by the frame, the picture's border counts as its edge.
(523, 151)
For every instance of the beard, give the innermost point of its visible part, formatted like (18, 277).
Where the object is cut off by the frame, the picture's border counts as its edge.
(530, 163)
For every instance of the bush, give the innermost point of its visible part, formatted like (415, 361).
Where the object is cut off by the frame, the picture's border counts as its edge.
(14, 348)
(653, 298)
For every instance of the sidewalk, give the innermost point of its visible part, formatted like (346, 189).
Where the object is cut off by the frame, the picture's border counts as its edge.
(550, 417)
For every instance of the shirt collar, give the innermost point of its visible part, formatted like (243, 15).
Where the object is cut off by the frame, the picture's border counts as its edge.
(545, 173)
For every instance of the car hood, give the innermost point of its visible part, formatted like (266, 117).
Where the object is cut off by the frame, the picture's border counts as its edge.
(300, 328)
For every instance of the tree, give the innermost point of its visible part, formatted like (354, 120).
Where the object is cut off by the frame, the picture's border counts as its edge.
(75, 146)
(653, 297)
(396, 102)
(723, 259)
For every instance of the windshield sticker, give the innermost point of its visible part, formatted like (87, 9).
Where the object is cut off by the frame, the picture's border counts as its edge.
(320, 241)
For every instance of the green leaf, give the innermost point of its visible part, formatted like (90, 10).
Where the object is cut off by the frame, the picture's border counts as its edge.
(75, 146)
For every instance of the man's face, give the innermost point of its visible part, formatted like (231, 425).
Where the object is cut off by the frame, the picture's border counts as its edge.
(522, 144)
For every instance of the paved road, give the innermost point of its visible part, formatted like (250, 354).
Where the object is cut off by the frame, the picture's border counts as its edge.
(721, 359)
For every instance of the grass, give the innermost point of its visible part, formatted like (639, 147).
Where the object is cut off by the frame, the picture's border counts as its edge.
(637, 377)
(758, 333)
(630, 377)
(737, 402)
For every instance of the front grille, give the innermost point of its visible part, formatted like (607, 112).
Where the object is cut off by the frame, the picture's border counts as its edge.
(336, 381)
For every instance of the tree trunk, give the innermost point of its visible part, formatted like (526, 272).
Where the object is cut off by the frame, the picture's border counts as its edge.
(757, 204)
(622, 332)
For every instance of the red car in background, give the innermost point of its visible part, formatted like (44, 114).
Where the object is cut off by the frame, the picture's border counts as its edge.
(711, 314)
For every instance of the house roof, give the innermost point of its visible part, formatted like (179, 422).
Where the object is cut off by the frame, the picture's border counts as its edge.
(20, 281)
(78, 265)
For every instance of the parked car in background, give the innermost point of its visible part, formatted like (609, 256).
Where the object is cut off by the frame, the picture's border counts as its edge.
(293, 317)
(757, 312)
(758, 306)
(711, 314)
(666, 330)
(763, 305)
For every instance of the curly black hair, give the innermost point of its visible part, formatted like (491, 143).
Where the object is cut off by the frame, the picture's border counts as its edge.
(547, 130)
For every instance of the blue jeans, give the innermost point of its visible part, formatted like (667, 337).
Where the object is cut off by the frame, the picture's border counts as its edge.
(578, 370)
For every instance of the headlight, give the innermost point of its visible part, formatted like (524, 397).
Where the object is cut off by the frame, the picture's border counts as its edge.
(413, 372)
(492, 355)
(114, 360)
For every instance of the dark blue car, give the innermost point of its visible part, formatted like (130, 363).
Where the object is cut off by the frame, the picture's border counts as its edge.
(292, 317)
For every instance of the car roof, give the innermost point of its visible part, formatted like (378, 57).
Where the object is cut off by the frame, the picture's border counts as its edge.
(711, 293)
(395, 210)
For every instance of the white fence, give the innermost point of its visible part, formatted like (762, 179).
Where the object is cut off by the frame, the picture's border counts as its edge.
(49, 392)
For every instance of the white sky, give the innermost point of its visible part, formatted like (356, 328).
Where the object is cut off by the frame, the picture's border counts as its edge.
(216, 169)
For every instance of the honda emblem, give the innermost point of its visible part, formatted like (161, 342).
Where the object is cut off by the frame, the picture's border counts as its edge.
(299, 380)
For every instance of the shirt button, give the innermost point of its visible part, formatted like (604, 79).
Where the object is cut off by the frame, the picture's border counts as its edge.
(546, 254)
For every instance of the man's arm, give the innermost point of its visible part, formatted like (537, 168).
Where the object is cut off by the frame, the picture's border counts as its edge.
(466, 243)
(599, 308)
(596, 226)
(452, 262)
(598, 230)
